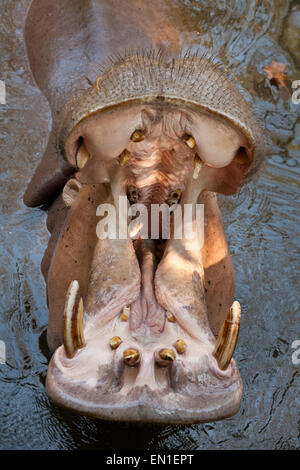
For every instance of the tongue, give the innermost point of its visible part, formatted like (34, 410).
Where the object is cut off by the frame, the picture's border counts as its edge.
(147, 317)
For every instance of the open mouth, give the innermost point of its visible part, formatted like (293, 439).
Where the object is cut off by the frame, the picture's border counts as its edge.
(142, 313)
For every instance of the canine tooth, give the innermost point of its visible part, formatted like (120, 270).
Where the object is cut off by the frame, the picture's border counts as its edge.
(131, 357)
(125, 157)
(82, 156)
(137, 136)
(167, 355)
(197, 166)
(73, 320)
(79, 324)
(180, 346)
(190, 141)
(228, 337)
(170, 317)
(115, 342)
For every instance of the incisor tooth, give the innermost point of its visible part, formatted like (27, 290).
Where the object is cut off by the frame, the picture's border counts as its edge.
(228, 337)
(73, 320)
(167, 355)
(131, 357)
(180, 346)
(82, 156)
(115, 342)
(197, 166)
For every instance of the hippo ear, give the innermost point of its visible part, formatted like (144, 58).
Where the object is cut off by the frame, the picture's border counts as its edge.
(49, 177)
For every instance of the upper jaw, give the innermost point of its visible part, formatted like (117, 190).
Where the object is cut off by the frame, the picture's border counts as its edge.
(205, 88)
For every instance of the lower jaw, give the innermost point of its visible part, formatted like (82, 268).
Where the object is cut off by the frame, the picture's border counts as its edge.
(191, 404)
(193, 389)
(96, 381)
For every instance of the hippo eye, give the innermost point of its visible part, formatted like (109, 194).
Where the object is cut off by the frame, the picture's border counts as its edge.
(189, 140)
(138, 135)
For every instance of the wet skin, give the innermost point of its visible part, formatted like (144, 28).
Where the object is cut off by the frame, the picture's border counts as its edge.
(185, 110)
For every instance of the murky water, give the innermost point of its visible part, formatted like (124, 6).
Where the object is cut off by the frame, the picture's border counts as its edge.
(262, 229)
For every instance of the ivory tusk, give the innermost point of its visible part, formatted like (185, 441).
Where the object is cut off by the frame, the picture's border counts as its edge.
(228, 337)
(73, 320)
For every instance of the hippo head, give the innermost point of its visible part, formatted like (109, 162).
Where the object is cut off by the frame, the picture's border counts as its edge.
(143, 328)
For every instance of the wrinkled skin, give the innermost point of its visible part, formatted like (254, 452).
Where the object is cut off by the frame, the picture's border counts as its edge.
(136, 92)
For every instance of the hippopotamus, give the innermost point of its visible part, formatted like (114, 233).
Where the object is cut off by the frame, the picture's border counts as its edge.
(141, 329)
